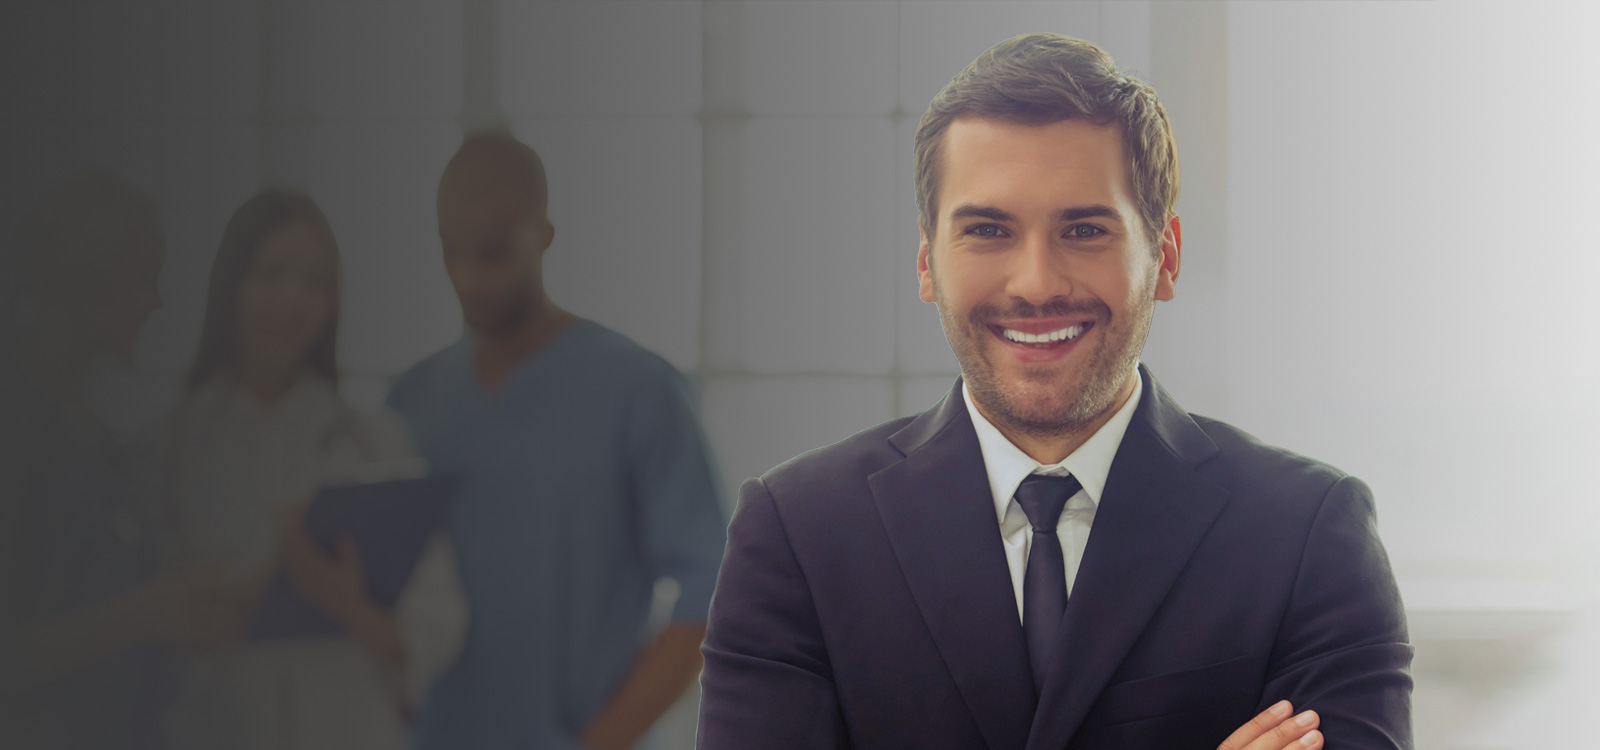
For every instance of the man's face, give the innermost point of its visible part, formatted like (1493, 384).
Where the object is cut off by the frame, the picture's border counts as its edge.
(492, 251)
(1042, 270)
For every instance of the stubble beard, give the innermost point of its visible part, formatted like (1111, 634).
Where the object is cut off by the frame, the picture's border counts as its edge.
(1048, 402)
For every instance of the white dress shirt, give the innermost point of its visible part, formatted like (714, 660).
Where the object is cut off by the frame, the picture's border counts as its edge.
(1008, 465)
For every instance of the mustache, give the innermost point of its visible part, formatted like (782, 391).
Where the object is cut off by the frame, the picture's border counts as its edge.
(1056, 307)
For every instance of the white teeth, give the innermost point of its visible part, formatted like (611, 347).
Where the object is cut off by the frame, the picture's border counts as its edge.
(1063, 334)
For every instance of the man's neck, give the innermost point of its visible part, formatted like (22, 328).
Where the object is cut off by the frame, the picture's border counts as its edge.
(1053, 449)
(497, 353)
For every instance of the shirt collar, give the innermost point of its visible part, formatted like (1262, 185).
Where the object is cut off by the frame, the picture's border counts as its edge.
(1007, 465)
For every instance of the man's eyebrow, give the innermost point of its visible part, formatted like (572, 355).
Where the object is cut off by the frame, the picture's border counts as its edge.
(1085, 212)
(973, 211)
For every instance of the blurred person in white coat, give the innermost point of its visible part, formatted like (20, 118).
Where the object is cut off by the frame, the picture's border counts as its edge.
(261, 428)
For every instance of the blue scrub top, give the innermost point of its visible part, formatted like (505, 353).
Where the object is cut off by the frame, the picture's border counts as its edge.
(587, 477)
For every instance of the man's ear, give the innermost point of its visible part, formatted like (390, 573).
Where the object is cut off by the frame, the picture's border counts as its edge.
(924, 269)
(535, 233)
(1169, 260)
(546, 233)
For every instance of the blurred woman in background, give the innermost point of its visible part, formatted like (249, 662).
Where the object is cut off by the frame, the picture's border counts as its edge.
(261, 427)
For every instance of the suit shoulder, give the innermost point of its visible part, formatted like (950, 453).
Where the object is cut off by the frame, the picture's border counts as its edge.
(1246, 462)
(834, 470)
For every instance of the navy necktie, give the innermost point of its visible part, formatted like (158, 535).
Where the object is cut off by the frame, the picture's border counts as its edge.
(1044, 585)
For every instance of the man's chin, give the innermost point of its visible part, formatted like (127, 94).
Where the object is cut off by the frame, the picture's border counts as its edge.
(1031, 406)
(1044, 418)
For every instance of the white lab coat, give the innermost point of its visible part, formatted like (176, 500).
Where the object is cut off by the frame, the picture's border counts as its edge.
(231, 464)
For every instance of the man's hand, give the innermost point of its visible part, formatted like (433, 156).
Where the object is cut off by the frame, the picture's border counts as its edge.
(662, 671)
(1275, 729)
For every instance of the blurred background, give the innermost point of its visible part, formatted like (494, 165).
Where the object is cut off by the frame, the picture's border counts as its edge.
(1388, 211)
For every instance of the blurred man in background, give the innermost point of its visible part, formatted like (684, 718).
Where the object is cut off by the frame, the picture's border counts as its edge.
(587, 482)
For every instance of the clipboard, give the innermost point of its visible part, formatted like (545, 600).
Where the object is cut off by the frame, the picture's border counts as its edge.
(390, 524)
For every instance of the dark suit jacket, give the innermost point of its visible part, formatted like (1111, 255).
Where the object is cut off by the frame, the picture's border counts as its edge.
(864, 601)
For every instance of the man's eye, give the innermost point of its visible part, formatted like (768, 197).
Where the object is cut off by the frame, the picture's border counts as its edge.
(1084, 232)
(984, 230)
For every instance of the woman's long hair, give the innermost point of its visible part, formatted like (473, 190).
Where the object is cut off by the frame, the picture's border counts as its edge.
(260, 216)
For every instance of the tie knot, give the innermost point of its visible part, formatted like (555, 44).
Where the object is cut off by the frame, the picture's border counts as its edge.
(1044, 497)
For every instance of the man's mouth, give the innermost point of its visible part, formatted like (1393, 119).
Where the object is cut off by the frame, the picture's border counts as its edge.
(1039, 342)
(1041, 336)
(1046, 338)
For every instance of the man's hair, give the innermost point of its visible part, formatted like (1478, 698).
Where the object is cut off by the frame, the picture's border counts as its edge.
(1037, 79)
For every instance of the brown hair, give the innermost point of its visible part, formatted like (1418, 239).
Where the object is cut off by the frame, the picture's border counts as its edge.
(1037, 79)
(250, 224)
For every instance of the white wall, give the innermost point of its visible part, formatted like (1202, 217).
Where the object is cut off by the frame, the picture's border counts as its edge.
(1409, 197)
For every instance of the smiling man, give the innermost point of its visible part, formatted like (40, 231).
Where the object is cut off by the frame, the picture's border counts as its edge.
(1056, 555)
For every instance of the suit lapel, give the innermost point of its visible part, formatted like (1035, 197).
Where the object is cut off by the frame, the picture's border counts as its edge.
(1153, 514)
(936, 507)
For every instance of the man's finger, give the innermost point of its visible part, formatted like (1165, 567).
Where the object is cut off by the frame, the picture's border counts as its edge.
(1263, 722)
(1298, 733)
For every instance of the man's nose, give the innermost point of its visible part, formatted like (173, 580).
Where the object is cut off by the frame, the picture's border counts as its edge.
(1036, 272)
